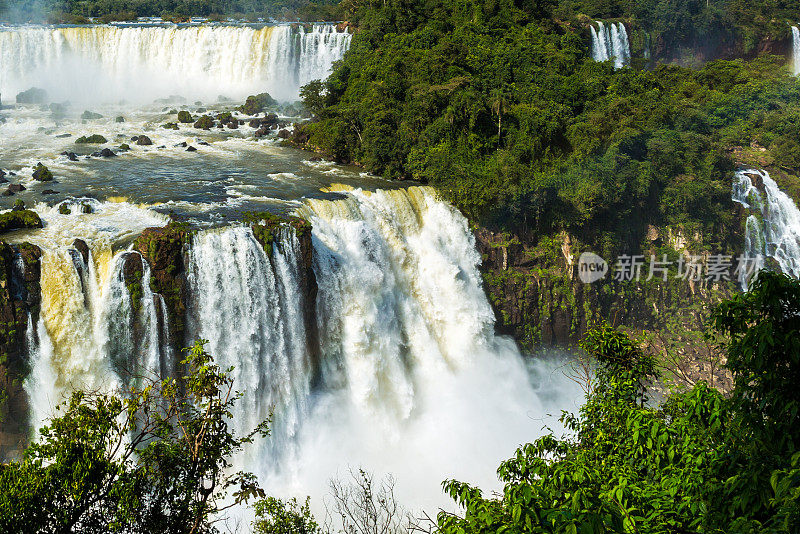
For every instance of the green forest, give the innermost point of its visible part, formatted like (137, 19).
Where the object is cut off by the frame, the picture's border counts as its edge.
(499, 106)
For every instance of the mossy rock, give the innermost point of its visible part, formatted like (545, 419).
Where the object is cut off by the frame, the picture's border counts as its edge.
(224, 117)
(205, 123)
(170, 126)
(42, 173)
(257, 103)
(124, 146)
(63, 209)
(16, 220)
(95, 139)
(185, 117)
(265, 226)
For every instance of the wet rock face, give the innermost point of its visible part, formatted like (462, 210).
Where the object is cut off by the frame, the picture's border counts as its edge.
(540, 301)
(20, 295)
(164, 250)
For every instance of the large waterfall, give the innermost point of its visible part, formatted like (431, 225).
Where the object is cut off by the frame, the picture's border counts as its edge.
(772, 228)
(796, 50)
(611, 42)
(411, 379)
(142, 63)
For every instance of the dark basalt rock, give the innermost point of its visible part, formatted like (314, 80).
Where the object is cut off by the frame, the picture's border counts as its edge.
(266, 228)
(184, 144)
(34, 95)
(90, 116)
(107, 153)
(63, 136)
(16, 188)
(119, 119)
(191, 149)
(261, 132)
(81, 246)
(49, 192)
(284, 134)
(143, 140)
(42, 173)
(185, 117)
(95, 139)
(17, 220)
(19, 296)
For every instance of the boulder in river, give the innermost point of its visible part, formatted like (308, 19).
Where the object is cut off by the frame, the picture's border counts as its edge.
(119, 119)
(170, 126)
(256, 104)
(143, 140)
(34, 95)
(81, 246)
(49, 192)
(284, 134)
(107, 153)
(185, 117)
(94, 139)
(191, 149)
(72, 156)
(42, 173)
(15, 220)
(13, 189)
(205, 122)
(90, 115)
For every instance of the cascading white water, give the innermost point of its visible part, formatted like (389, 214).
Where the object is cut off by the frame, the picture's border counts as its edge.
(415, 382)
(84, 337)
(772, 230)
(796, 50)
(249, 312)
(611, 42)
(106, 63)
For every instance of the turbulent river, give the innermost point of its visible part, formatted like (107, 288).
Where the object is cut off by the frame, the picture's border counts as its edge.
(402, 373)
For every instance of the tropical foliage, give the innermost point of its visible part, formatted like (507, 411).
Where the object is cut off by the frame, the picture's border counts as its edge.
(697, 462)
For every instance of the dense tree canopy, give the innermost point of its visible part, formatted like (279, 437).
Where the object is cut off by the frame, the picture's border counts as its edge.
(497, 104)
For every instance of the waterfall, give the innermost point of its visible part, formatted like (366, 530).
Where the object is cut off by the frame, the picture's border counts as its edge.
(611, 43)
(40, 384)
(249, 312)
(772, 228)
(85, 337)
(88, 64)
(412, 379)
(796, 50)
(411, 364)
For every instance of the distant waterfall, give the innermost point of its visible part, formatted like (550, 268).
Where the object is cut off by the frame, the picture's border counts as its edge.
(142, 63)
(772, 230)
(611, 42)
(796, 50)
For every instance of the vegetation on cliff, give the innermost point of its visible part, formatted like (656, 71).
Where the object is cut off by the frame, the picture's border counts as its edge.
(499, 106)
(697, 462)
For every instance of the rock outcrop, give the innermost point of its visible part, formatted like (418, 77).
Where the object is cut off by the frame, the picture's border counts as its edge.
(164, 250)
(20, 273)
